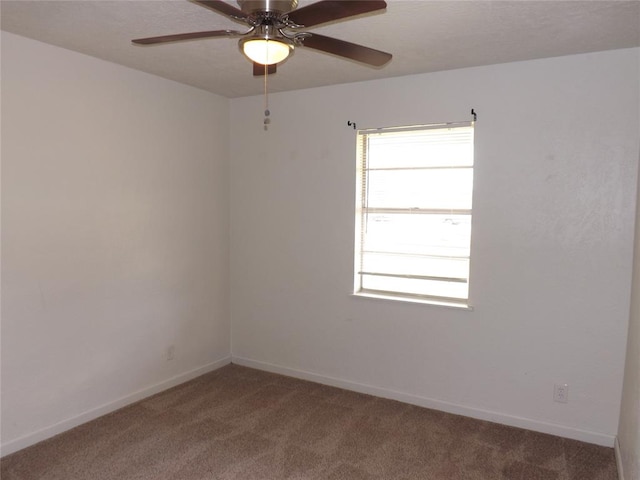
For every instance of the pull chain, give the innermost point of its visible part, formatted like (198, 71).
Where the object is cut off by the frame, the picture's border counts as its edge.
(267, 120)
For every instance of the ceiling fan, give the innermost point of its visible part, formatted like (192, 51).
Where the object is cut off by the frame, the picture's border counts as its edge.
(275, 30)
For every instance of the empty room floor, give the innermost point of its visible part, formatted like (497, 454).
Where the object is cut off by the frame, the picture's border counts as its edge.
(241, 423)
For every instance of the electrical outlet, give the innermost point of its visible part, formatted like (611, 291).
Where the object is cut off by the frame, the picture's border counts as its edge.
(171, 351)
(561, 392)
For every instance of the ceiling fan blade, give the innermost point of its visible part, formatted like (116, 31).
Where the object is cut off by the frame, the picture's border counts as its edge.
(223, 8)
(328, 10)
(350, 50)
(186, 36)
(258, 69)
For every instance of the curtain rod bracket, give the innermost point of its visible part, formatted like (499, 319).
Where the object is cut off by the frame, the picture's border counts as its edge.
(475, 115)
(350, 123)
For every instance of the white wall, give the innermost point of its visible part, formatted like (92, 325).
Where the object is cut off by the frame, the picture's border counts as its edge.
(114, 236)
(629, 426)
(556, 161)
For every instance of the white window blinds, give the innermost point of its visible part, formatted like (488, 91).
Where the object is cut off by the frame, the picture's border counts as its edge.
(413, 228)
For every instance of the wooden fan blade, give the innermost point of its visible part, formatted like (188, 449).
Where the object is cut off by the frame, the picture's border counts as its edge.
(328, 10)
(350, 50)
(223, 8)
(186, 36)
(258, 69)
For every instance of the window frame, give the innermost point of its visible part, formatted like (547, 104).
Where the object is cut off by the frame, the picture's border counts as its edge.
(362, 210)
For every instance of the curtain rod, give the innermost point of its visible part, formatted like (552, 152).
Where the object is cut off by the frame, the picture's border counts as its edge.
(400, 129)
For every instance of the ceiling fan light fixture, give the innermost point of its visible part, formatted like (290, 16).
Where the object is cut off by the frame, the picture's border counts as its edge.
(266, 51)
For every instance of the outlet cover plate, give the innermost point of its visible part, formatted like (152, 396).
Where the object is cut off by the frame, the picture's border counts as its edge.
(561, 392)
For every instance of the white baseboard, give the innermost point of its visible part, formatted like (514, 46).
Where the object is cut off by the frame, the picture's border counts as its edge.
(497, 417)
(48, 432)
(616, 448)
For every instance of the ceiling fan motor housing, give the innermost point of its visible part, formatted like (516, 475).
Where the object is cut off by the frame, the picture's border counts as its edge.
(276, 6)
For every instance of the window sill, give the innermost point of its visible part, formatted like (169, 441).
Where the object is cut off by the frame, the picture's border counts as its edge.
(435, 303)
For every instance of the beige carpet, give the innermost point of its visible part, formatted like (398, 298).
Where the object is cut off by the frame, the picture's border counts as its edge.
(240, 423)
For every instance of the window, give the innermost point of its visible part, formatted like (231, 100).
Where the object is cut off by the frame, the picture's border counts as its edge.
(413, 213)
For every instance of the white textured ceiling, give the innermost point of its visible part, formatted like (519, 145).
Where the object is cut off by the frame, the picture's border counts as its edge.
(423, 36)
